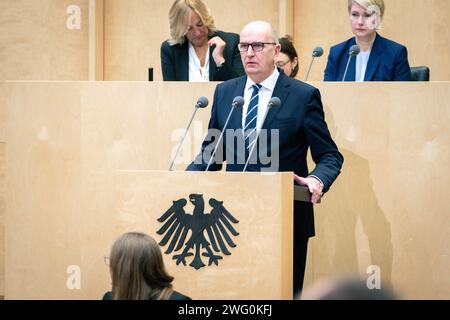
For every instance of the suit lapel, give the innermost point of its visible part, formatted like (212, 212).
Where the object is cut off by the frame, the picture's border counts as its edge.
(236, 117)
(281, 91)
(184, 60)
(212, 67)
(374, 59)
(212, 63)
(351, 73)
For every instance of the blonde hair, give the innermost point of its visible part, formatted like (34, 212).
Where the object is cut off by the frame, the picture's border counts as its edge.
(137, 269)
(372, 5)
(180, 19)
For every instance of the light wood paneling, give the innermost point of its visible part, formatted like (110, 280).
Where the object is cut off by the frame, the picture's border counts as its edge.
(419, 25)
(96, 40)
(50, 148)
(135, 29)
(2, 113)
(142, 197)
(388, 208)
(286, 24)
(35, 43)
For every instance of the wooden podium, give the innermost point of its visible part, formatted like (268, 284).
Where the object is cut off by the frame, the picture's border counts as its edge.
(258, 207)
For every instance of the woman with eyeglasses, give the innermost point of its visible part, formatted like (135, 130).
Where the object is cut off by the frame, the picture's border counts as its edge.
(197, 51)
(379, 59)
(138, 272)
(288, 58)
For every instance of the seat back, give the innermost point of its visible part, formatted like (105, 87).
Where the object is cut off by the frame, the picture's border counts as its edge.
(421, 73)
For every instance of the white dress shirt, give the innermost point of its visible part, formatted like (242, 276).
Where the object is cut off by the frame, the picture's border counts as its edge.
(197, 73)
(265, 93)
(361, 65)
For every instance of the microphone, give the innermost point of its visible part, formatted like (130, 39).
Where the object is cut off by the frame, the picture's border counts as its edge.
(354, 51)
(202, 102)
(274, 102)
(238, 102)
(317, 52)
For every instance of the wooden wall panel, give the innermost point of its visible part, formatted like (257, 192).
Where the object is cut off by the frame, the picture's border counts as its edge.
(2, 113)
(35, 43)
(135, 29)
(47, 182)
(389, 207)
(419, 25)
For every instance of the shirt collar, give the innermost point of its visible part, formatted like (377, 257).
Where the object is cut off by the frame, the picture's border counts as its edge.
(268, 84)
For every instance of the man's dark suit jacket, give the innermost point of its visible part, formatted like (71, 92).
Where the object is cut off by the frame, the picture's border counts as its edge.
(388, 61)
(301, 124)
(175, 60)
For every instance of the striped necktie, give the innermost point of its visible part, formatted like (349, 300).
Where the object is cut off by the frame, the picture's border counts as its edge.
(251, 120)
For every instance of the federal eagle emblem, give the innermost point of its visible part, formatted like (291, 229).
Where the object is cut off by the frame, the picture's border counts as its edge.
(210, 233)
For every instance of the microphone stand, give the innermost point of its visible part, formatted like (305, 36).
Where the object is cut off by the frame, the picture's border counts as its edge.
(269, 106)
(346, 68)
(234, 106)
(354, 51)
(309, 69)
(197, 106)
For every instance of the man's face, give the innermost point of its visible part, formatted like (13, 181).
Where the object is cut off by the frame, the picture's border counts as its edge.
(259, 65)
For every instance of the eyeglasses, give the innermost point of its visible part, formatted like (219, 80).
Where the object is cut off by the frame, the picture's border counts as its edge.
(256, 46)
(281, 64)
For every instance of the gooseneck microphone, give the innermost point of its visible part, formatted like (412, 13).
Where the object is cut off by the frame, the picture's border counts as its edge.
(202, 102)
(353, 52)
(238, 102)
(274, 102)
(317, 52)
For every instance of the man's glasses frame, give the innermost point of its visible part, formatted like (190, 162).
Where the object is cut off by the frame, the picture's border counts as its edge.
(256, 46)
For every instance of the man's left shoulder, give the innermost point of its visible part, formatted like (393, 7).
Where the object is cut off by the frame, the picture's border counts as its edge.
(232, 82)
(301, 86)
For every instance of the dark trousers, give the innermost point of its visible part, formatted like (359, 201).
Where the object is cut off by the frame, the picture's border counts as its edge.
(300, 252)
(303, 230)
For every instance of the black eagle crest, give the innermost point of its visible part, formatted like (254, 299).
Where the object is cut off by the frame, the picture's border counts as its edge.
(209, 231)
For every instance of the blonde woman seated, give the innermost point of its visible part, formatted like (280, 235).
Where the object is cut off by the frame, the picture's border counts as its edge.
(380, 59)
(138, 272)
(197, 51)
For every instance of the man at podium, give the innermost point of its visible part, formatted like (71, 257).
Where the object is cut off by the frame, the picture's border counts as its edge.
(291, 115)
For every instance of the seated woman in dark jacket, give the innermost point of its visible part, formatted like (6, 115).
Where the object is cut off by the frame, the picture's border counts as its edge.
(138, 272)
(380, 59)
(288, 58)
(197, 51)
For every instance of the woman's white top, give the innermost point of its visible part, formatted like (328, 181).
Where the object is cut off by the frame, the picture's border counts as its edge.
(197, 73)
